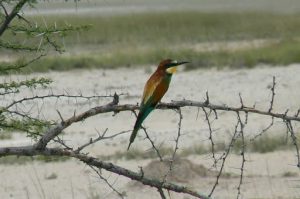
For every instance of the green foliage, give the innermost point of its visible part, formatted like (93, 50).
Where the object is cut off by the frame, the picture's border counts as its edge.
(31, 83)
(33, 127)
(17, 46)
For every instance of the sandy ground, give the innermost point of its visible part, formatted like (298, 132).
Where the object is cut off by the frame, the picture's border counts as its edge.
(263, 172)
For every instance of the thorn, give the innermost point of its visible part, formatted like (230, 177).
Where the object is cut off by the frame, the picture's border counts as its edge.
(62, 119)
(116, 99)
(207, 99)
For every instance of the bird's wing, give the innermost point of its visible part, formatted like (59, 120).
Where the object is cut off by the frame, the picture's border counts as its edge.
(154, 90)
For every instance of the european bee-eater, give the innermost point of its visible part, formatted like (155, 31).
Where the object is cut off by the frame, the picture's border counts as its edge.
(154, 90)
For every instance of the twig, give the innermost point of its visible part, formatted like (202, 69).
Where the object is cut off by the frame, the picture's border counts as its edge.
(241, 100)
(4, 9)
(224, 157)
(9, 17)
(264, 130)
(64, 95)
(294, 139)
(273, 94)
(151, 141)
(62, 119)
(108, 183)
(210, 137)
(100, 137)
(189, 103)
(177, 138)
(161, 193)
(56, 130)
(298, 112)
(62, 142)
(173, 158)
(242, 154)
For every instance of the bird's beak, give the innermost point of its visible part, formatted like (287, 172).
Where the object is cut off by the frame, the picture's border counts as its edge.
(172, 68)
(176, 63)
(181, 63)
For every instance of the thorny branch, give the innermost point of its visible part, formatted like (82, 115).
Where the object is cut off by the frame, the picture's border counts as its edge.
(294, 139)
(9, 17)
(173, 157)
(161, 193)
(150, 140)
(224, 157)
(264, 130)
(91, 161)
(52, 133)
(100, 137)
(273, 94)
(210, 136)
(241, 134)
(107, 182)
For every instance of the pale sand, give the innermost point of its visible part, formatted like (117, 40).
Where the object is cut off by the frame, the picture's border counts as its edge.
(74, 180)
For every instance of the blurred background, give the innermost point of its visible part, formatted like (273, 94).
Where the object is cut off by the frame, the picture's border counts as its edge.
(130, 33)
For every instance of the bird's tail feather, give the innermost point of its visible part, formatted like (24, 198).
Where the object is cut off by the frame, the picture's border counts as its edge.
(133, 135)
(141, 117)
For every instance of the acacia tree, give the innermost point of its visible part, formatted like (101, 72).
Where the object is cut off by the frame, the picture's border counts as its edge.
(44, 131)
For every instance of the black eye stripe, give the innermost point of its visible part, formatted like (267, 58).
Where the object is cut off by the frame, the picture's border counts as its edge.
(170, 65)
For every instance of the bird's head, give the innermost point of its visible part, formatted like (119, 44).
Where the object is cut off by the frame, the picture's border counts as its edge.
(170, 66)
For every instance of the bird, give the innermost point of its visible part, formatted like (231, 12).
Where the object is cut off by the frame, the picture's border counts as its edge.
(155, 88)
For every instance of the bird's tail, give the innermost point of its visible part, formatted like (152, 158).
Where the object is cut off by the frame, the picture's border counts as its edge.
(133, 135)
(141, 117)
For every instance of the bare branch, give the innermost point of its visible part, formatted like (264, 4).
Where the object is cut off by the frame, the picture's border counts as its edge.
(298, 112)
(151, 141)
(177, 138)
(241, 100)
(173, 158)
(11, 15)
(189, 103)
(264, 130)
(4, 9)
(56, 130)
(224, 157)
(100, 137)
(62, 119)
(161, 193)
(294, 139)
(241, 133)
(91, 161)
(36, 97)
(108, 183)
(273, 95)
(210, 137)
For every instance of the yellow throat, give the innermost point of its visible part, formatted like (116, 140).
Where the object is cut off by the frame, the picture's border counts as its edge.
(172, 70)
